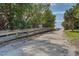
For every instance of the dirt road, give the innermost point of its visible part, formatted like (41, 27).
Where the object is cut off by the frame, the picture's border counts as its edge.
(48, 44)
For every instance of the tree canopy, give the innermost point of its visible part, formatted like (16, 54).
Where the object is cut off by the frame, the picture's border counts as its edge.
(71, 18)
(21, 16)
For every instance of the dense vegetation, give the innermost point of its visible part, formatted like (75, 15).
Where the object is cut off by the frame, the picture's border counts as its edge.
(21, 16)
(71, 23)
(71, 18)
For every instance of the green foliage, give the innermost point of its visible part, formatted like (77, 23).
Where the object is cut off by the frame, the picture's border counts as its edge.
(49, 19)
(71, 18)
(20, 16)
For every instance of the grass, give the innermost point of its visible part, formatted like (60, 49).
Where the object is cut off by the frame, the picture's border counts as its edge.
(73, 35)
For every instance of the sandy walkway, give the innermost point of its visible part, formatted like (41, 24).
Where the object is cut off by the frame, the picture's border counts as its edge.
(48, 44)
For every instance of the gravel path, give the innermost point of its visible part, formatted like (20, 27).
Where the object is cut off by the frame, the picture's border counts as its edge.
(48, 44)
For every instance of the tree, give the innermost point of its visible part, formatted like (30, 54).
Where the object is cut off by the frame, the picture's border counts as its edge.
(5, 14)
(20, 16)
(49, 19)
(71, 19)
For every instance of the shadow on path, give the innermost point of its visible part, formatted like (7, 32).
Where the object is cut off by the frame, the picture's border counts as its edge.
(43, 47)
(32, 48)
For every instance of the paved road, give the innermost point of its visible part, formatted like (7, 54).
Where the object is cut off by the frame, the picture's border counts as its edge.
(48, 44)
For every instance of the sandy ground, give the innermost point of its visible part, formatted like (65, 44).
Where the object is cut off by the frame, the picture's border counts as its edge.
(48, 44)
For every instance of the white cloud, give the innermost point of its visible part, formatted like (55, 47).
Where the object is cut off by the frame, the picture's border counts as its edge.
(53, 4)
(59, 12)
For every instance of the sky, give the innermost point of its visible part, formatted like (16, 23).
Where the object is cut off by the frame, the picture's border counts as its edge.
(58, 9)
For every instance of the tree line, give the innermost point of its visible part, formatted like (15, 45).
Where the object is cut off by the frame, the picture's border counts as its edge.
(71, 18)
(22, 16)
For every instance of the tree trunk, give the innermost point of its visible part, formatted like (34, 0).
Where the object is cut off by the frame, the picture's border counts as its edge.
(72, 26)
